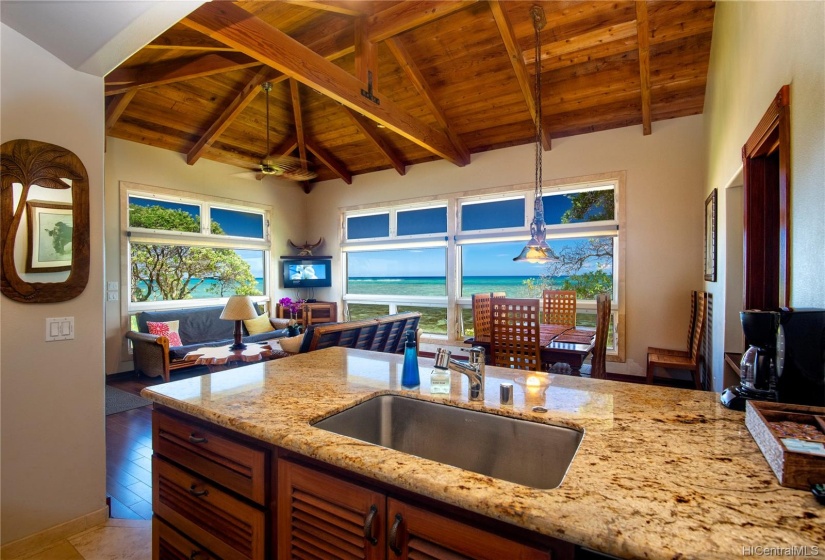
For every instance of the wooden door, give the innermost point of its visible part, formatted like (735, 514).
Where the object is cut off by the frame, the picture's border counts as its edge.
(414, 533)
(323, 517)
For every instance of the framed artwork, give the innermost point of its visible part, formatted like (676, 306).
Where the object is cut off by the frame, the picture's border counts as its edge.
(50, 236)
(710, 237)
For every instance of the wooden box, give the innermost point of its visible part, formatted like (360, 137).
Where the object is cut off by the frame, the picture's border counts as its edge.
(795, 469)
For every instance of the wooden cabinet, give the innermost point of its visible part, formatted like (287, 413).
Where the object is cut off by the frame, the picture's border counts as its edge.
(320, 515)
(312, 313)
(211, 488)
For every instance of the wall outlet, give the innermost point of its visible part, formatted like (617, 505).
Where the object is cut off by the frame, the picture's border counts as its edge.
(111, 296)
(111, 286)
(59, 328)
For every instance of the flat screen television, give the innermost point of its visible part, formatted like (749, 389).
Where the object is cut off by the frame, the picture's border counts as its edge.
(307, 273)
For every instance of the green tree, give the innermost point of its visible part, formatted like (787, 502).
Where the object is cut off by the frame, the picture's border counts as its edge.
(597, 251)
(173, 272)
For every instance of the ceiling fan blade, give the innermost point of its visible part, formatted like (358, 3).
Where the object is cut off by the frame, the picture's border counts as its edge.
(251, 175)
(299, 175)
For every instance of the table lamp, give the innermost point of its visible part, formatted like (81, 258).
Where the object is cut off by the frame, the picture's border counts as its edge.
(239, 308)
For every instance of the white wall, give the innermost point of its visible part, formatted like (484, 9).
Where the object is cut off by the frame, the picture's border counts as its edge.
(757, 48)
(53, 442)
(664, 203)
(138, 163)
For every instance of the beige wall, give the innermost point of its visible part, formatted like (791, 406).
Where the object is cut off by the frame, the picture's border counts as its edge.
(53, 441)
(664, 212)
(757, 48)
(137, 163)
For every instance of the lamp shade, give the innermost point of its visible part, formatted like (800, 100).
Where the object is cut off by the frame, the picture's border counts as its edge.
(239, 308)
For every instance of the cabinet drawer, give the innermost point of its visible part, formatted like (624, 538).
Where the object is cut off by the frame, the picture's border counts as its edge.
(234, 465)
(224, 524)
(168, 544)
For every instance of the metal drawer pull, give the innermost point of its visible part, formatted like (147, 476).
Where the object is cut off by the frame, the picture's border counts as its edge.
(368, 525)
(198, 493)
(394, 534)
(193, 439)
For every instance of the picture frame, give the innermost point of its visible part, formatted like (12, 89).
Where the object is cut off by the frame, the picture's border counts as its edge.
(50, 226)
(710, 237)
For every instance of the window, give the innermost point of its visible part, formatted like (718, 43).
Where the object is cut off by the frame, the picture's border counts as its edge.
(181, 248)
(431, 257)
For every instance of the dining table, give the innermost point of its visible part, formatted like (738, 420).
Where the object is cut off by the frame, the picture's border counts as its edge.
(566, 344)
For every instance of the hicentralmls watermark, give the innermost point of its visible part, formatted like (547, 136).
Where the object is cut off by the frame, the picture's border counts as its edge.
(796, 551)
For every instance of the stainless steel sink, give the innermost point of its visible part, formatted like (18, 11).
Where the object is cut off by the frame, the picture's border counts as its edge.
(520, 451)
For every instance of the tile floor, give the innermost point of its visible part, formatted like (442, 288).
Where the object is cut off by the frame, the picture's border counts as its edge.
(117, 539)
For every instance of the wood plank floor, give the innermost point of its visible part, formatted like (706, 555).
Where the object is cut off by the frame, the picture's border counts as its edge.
(129, 449)
(129, 446)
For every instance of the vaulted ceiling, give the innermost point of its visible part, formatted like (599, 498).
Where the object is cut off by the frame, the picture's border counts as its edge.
(360, 86)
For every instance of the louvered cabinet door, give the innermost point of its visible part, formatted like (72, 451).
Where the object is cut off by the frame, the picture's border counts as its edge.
(231, 528)
(323, 517)
(168, 544)
(418, 534)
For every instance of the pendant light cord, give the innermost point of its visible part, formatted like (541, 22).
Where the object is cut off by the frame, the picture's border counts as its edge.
(538, 23)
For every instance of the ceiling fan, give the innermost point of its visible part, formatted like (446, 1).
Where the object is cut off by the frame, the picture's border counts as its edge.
(288, 167)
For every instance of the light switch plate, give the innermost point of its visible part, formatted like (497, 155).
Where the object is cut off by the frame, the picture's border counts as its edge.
(59, 328)
(111, 286)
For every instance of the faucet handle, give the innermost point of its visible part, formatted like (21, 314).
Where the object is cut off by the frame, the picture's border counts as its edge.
(442, 358)
(476, 355)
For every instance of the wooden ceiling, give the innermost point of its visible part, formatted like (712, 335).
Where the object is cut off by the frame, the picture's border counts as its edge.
(449, 78)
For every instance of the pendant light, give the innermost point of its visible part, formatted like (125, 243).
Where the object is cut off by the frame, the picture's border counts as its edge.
(537, 250)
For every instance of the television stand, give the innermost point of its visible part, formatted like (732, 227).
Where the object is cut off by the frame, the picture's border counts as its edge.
(311, 313)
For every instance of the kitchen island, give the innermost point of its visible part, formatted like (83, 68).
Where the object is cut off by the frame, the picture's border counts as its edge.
(660, 473)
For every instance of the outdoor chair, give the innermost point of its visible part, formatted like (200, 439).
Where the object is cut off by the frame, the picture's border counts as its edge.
(598, 364)
(481, 315)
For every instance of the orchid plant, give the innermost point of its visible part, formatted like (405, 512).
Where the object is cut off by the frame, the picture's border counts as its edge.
(293, 306)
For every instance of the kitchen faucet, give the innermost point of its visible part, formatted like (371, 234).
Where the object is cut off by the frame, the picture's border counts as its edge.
(473, 368)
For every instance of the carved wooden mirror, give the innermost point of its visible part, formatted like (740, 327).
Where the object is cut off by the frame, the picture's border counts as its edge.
(44, 222)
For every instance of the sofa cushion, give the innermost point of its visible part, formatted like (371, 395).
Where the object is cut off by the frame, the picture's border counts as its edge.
(197, 324)
(259, 325)
(169, 329)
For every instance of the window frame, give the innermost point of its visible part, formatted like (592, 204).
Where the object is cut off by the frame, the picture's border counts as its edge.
(203, 238)
(455, 239)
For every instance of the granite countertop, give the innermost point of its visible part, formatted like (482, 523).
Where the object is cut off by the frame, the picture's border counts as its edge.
(661, 472)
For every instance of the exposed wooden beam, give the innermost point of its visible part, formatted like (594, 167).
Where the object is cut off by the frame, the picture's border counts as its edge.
(404, 16)
(415, 76)
(366, 53)
(299, 119)
(334, 165)
(338, 7)
(235, 107)
(116, 106)
(620, 37)
(237, 28)
(167, 72)
(179, 37)
(368, 129)
(643, 33)
(505, 29)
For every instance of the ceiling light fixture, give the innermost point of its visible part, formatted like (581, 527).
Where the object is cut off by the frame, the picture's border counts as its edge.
(537, 250)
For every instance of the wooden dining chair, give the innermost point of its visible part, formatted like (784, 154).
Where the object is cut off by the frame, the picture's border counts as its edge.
(481, 315)
(689, 360)
(515, 334)
(558, 307)
(598, 369)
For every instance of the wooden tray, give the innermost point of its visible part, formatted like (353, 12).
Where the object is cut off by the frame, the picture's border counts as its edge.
(794, 469)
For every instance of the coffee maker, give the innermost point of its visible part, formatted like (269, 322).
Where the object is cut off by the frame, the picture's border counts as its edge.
(785, 361)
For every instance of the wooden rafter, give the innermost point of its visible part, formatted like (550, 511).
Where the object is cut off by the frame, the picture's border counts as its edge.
(368, 129)
(599, 43)
(334, 165)
(643, 33)
(115, 107)
(366, 53)
(505, 28)
(235, 27)
(405, 16)
(415, 76)
(344, 8)
(299, 119)
(121, 80)
(235, 107)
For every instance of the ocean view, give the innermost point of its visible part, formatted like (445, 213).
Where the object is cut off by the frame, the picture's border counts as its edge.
(513, 286)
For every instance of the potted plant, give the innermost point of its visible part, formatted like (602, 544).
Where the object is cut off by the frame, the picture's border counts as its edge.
(293, 306)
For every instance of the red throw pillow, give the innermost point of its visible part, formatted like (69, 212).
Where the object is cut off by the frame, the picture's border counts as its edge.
(169, 330)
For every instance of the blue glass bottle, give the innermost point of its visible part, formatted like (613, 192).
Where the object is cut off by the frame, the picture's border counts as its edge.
(409, 374)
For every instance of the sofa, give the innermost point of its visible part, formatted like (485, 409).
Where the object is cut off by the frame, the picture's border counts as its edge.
(198, 327)
(381, 334)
